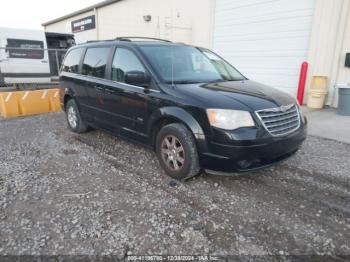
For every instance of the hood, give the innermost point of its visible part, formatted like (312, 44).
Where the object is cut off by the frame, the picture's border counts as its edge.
(238, 95)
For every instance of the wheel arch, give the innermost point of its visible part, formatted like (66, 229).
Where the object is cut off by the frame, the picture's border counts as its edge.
(68, 94)
(169, 115)
(66, 98)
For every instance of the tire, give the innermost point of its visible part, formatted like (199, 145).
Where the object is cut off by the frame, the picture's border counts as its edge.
(178, 164)
(74, 120)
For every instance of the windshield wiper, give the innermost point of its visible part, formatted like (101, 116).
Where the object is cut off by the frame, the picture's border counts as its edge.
(184, 82)
(217, 81)
(223, 80)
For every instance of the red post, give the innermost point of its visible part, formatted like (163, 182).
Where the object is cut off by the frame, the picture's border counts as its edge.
(302, 82)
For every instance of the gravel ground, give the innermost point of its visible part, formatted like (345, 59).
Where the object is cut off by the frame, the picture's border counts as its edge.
(68, 194)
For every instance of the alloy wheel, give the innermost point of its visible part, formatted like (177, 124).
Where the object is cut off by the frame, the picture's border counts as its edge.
(72, 117)
(173, 153)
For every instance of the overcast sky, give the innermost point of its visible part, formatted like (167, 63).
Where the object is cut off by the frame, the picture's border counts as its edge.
(32, 13)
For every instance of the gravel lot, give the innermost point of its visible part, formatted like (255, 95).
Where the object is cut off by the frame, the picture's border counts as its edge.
(62, 193)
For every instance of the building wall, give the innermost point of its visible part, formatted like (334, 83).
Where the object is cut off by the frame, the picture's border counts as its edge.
(343, 75)
(330, 41)
(319, 29)
(269, 40)
(176, 20)
(266, 40)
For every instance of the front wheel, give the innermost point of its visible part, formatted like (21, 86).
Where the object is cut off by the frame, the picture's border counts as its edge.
(74, 120)
(177, 152)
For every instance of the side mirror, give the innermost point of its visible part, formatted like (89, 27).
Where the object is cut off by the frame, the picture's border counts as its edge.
(137, 78)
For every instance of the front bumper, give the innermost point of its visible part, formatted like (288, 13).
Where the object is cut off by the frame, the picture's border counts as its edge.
(257, 154)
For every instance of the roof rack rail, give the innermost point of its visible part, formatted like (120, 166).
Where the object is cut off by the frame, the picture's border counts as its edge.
(96, 41)
(129, 38)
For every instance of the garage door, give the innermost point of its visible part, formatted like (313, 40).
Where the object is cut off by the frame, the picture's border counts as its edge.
(267, 40)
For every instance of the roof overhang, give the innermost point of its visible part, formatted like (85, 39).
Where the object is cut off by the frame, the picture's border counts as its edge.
(81, 11)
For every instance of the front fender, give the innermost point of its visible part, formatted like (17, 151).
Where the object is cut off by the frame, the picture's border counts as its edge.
(182, 116)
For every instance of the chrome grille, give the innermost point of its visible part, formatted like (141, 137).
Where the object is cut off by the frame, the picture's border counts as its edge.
(280, 121)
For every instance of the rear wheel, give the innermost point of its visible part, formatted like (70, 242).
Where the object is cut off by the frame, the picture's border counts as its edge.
(177, 152)
(75, 123)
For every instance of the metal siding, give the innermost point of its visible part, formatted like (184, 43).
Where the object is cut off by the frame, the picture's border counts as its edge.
(177, 20)
(329, 43)
(267, 40)
(344, 72)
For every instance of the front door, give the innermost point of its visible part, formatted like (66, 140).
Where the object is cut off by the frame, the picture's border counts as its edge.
(128, 103)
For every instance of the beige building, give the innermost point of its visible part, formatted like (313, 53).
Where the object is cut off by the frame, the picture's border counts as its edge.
(266, 40)
(189, 21)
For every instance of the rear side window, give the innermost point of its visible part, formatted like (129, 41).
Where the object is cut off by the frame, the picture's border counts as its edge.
(95, 62)
(25, 49)
(71, 62)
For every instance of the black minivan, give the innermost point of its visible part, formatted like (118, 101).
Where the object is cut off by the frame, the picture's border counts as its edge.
(187, 103)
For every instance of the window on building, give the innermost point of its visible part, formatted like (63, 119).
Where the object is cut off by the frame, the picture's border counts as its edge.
(71, 62)
(125, 61)
(25, 49)
(95, 62)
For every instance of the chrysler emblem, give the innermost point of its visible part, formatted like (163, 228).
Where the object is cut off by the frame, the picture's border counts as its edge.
(285, 108)
(282, 109)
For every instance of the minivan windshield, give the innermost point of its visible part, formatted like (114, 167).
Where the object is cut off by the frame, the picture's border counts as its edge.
(186, 65)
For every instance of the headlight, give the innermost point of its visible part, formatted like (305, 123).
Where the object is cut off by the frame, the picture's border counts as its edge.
(229, 119)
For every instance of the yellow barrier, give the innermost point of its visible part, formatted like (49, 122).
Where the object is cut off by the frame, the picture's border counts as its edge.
(24, 103)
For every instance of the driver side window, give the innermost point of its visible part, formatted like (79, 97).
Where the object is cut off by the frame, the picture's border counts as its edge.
(125, 61)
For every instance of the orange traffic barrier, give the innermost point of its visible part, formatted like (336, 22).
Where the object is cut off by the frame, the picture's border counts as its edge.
(24, 103)
(9, 106)
(54, 100)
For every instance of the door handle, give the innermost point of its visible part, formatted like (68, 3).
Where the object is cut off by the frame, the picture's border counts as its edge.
(98, 88)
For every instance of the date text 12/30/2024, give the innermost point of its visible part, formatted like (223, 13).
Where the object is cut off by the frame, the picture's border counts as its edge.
(172, 258)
